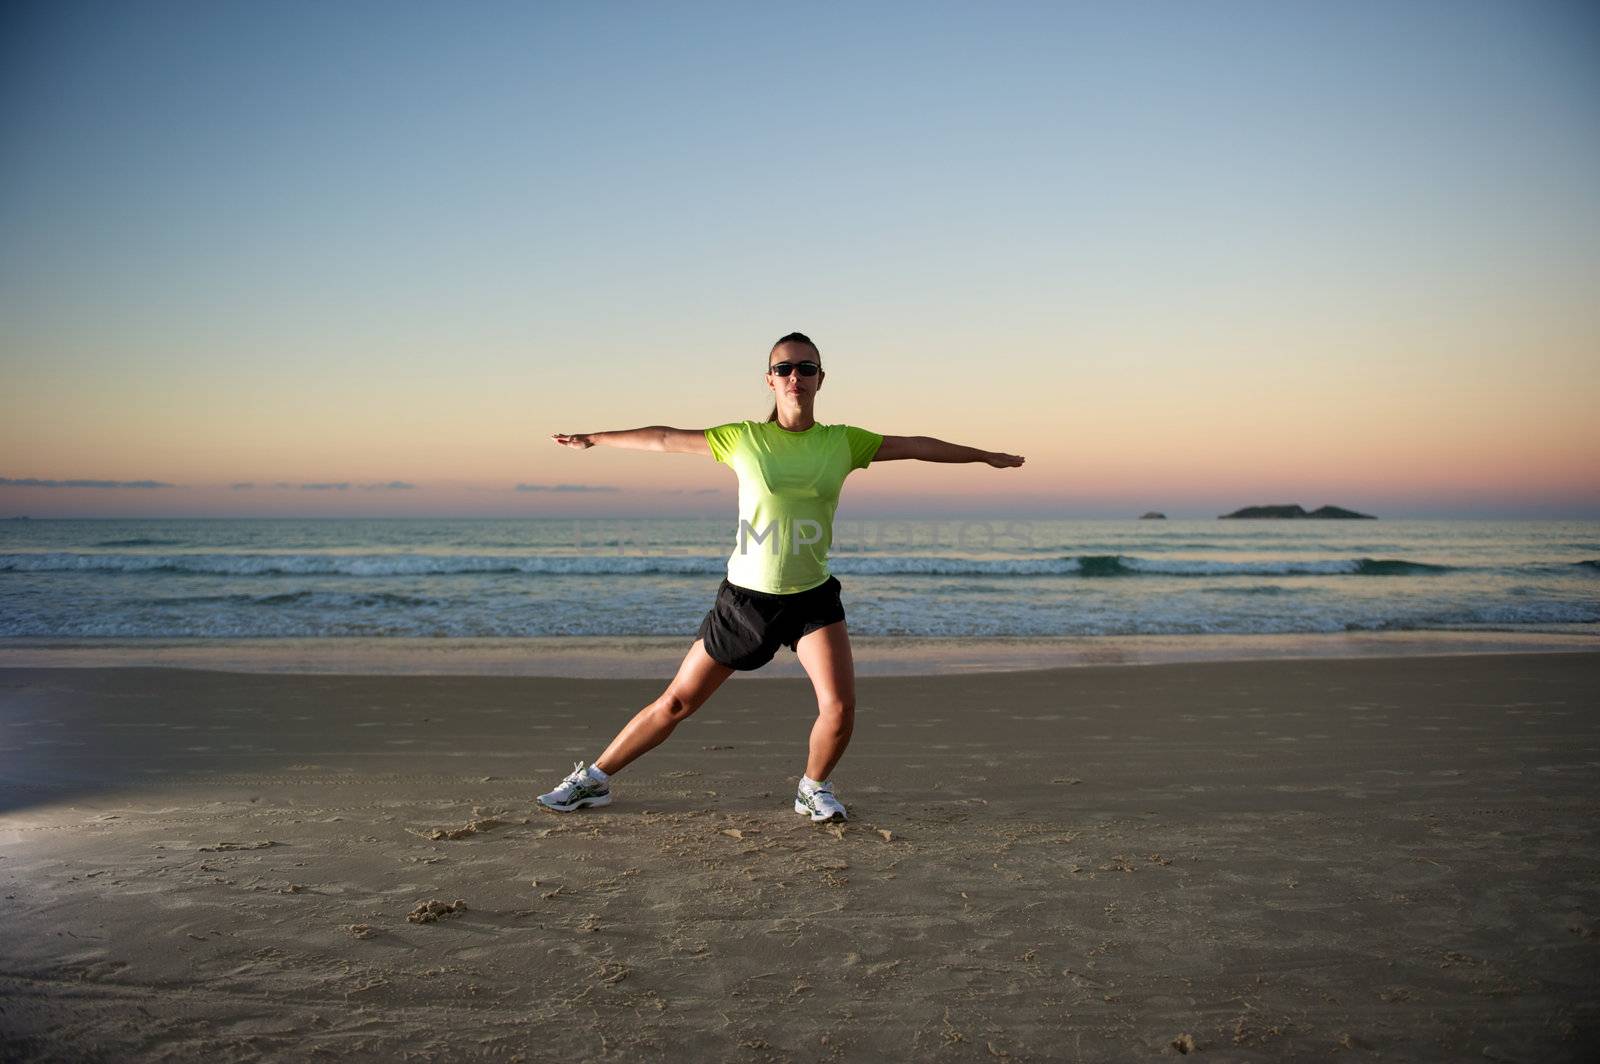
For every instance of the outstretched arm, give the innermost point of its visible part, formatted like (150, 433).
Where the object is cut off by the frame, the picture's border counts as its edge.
(928, 449)
(649, 438)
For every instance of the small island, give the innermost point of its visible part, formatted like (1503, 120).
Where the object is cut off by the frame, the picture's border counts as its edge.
(1320, 513)
(1152, 516)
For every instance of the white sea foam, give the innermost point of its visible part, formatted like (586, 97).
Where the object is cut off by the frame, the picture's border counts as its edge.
(598, 564)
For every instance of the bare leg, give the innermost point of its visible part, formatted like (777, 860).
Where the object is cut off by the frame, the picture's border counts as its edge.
(825, 655)
(698, 678)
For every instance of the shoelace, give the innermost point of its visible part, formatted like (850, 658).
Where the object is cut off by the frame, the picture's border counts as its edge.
(578, 774)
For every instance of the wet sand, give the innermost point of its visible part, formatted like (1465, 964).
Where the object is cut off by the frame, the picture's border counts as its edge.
(1267, 860)
(651, 657)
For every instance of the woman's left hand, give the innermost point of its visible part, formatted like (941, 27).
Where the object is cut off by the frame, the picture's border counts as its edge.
(1004, 461)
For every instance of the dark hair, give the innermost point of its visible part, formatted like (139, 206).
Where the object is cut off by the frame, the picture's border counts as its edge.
(792, 338)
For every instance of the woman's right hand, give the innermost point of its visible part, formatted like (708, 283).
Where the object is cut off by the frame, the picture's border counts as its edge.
(580, 440)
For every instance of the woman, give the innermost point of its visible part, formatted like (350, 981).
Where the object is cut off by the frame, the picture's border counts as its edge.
(778, 590)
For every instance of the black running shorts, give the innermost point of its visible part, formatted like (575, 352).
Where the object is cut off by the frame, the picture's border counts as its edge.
(745, 628)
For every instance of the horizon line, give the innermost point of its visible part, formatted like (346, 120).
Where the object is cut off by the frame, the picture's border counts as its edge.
(896, 515)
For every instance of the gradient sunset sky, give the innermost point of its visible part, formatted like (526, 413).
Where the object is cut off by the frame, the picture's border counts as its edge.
(347, 259)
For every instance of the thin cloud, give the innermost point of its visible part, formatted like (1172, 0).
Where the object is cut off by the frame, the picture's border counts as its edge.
(393, 485)
(35, 482)
(566, 487)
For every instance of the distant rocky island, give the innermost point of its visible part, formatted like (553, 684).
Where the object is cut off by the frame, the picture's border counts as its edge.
(1321, 513)
(1152, 516)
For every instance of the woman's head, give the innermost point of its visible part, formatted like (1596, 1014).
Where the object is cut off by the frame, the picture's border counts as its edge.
(794, 349)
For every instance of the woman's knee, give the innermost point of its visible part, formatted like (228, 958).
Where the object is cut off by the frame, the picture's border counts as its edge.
(841, 711)
(676, 704)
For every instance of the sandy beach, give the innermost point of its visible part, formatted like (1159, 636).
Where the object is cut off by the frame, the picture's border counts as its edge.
(1388, 858)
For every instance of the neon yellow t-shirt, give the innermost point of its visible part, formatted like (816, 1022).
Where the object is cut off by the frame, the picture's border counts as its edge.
(788, 491)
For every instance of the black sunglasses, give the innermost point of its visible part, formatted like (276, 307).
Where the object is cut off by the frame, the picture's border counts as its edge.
(807, 368)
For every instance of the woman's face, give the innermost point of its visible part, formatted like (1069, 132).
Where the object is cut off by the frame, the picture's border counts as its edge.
(794, 386)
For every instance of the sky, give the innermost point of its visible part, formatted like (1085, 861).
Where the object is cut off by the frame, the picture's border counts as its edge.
(350, 259)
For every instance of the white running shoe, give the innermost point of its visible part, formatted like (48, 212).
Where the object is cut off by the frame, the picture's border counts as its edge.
(819, 804)
(576, 791)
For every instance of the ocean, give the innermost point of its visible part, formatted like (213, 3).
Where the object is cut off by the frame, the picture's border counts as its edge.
(222, 579)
